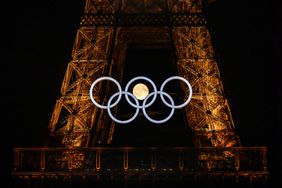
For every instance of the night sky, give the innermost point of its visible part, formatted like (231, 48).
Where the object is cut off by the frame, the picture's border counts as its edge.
(41, 34)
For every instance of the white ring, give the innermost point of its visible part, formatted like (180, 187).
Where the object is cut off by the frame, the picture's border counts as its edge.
(101, 79)
(122, 121)
(158, 121)
(177, 78)
(142, 78)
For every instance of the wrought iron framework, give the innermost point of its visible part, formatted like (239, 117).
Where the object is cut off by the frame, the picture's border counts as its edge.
(248, 165)
(123, 20)
(107, 29)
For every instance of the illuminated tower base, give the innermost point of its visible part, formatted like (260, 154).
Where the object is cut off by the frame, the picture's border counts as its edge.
(107, 30)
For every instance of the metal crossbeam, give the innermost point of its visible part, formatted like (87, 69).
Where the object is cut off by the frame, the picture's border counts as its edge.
(180, 19)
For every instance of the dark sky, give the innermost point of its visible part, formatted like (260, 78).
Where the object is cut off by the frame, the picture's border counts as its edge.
(41, 34)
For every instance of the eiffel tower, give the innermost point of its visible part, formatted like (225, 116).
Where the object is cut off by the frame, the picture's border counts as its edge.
(108, 30)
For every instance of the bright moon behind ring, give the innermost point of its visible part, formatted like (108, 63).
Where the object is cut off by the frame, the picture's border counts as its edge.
(140, 91)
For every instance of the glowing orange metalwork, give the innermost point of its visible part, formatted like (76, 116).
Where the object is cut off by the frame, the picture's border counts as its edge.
(100, 48)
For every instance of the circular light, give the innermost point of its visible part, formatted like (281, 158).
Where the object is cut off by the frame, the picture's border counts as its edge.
(140, 91)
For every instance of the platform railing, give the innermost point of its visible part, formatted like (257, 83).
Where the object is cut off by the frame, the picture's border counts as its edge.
(138, 160)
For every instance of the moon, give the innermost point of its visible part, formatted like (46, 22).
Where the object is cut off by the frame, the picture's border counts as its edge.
(140, 91)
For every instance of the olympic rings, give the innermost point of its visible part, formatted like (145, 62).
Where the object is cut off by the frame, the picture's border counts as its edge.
(177, 78)
(158, 121)
(122, 121)
(144, 105)
(101, 79)
(141, 78)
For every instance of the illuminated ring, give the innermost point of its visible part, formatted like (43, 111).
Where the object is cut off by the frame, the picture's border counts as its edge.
(101, 79)
(176, 78)
(141, 78)
(158, 121)
(110, 113)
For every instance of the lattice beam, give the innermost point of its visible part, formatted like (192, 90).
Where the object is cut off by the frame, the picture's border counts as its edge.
(181, 19)
(208, 113)
(74, 116)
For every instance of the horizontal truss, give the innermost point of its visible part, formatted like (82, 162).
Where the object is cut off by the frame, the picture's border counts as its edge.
(180, 19)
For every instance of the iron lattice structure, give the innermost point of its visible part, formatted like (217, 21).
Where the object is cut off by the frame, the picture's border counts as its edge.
(107, 29)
